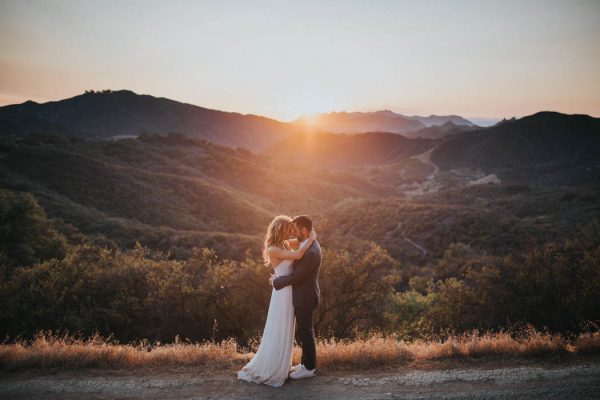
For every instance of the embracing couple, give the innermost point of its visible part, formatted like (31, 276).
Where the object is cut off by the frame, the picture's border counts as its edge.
(291, 248)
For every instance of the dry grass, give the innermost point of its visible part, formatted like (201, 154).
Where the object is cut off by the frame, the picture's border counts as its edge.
(588, 343)
(362, 353)
(49, 350)
(493, 344)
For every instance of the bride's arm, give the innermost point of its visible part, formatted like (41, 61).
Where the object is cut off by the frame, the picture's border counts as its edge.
(294, 243)
(276, 252)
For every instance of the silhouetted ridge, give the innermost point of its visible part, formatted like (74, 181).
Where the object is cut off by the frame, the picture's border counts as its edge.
(549, 147)
(123, 112)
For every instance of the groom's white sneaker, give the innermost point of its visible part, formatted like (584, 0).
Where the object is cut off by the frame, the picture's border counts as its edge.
(295, 367)
(301, 372)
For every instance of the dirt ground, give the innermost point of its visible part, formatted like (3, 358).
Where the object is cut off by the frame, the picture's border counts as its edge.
(531, 379)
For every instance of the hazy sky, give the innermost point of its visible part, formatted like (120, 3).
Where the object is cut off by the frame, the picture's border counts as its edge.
(282, 59)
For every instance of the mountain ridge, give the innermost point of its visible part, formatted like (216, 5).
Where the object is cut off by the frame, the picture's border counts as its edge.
(376, 121)
(124, 112)
(545, 146)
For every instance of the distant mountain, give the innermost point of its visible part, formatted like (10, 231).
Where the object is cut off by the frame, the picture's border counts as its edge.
(544, 148)
(379, 121)
(121, 113)
(439, 120)
(360, 122)
(484, 122)
(438, 131)
(124, 113)
(504, 120)
(547, 148)
(345, 150)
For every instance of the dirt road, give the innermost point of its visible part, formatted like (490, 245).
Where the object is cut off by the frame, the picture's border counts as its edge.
(407, 239)
(425, 158)
(531, 380)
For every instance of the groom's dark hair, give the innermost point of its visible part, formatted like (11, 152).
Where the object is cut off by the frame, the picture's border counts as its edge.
(303, 221)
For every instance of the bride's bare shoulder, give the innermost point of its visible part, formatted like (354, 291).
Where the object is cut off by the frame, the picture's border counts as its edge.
(273, 249)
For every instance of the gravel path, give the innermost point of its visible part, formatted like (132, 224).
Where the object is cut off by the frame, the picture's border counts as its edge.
(538, 381)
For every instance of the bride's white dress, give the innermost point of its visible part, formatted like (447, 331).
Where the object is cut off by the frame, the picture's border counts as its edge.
(271, 363)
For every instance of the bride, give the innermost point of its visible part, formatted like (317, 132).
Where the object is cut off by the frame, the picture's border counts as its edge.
(271, 363)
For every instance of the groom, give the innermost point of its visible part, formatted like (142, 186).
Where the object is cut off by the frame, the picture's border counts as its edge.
(306, 296)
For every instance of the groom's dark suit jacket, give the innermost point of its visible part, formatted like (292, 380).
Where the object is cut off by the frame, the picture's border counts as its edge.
(304, 279)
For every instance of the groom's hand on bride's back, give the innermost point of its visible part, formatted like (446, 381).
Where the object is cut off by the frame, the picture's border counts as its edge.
(302, 270)
(271, 279)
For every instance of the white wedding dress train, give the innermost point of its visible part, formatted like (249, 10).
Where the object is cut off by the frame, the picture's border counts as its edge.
(271, 363)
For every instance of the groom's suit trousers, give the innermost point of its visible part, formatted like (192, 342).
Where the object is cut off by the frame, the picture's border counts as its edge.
(305, 336)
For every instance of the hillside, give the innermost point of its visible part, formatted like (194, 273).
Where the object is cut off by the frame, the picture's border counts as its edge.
(342, 150)
(165, 191)
(547, 148)
(124, 113)
(490, 219)
(172, 192)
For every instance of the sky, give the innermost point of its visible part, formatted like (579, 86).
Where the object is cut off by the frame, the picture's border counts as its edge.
(282, 59)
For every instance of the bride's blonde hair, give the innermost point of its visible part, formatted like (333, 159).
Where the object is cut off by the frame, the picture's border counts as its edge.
(276, 235)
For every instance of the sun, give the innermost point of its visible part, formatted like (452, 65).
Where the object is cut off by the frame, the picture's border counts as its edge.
(307, 105)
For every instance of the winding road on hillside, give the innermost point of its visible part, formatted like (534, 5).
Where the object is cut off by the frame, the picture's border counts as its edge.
(425, 158)
(527, 380)
(415, 245)
(407, 239)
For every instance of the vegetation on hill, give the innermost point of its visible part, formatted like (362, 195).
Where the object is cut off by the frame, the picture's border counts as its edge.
(160, 236)
(546, 148)
(327, 150)
(166, 192)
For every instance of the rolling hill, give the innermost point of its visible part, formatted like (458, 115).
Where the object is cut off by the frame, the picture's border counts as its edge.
(546, 148)
(125, 113)
(174, 191)
(342, 150)
(166, 191)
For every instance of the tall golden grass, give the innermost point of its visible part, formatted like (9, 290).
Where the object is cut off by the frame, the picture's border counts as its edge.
(49, 350)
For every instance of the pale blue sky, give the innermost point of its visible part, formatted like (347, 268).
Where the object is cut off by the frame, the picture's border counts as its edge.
(282, 59)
